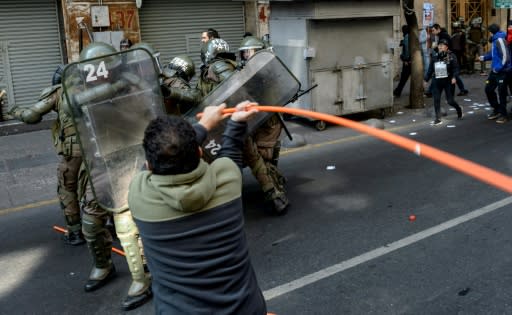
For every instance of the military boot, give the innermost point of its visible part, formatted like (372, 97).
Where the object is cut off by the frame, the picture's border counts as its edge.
(74, 234)
(99, 277)
(140, 288)
(279, 200)
(99, 242)
(138, 294)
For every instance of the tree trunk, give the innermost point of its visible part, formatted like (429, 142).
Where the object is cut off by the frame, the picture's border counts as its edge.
(416, 80)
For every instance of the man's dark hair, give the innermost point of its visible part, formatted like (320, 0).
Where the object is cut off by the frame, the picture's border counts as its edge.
(212, 33)
(436, 26)
(170, 146)
(494, 28)
(405, 29)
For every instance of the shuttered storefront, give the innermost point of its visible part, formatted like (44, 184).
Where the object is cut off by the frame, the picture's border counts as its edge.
(29, 47)
(174, 27)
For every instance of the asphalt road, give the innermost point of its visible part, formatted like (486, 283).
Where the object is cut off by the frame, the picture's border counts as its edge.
(346, 246)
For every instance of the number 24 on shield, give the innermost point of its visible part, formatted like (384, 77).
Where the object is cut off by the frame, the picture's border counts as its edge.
(93, 73)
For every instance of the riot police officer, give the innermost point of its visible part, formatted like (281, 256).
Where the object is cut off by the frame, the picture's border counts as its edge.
(443, 69)
(125, 44)
(179, 96)
(219, 64)
(476, 40)
(66, 144)
(261, 149)
(98, 237)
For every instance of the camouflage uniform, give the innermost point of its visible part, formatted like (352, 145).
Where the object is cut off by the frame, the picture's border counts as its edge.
(261, 149)
(218, 65)
(476, 41)
(66, 145)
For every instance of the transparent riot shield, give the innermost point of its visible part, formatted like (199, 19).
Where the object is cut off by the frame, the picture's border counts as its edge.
(264, 79)
(112, 99)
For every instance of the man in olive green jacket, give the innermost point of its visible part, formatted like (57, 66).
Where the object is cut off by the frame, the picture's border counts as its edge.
(190, 218)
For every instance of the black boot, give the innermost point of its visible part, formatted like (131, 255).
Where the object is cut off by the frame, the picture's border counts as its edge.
(132, 302)
(74, 238)
(100, 277)
(279, 201)
(74, 234)
(459, 113)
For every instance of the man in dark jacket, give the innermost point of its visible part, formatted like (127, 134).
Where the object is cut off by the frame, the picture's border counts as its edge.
(443, 68)
(441, 34)
(190, 218)
(500, 66)
(405, 56)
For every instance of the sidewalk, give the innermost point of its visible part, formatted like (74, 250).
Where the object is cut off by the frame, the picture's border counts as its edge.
(28, 161)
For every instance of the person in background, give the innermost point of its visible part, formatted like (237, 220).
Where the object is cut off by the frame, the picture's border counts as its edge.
(191, 219)
(476, 41)
(125, 44)
(509, 45)
(443, 69)
(205, 37)
(209, 34)
(405, 56)
(500, 66)
(459, 44)
(441, 33)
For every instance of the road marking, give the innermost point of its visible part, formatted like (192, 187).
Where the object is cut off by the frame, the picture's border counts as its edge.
(28, 206)
(376, 253)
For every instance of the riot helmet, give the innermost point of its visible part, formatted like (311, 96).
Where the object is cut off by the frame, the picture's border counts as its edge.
(155, 53)
(104, 65)
(125, 44)
(182, 66)
(99, 49)
(96, 49)
(214, 48)
(476, 21)
(57, 75)
(249, 46)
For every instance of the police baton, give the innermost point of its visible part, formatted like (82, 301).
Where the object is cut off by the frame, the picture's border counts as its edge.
(293, 99)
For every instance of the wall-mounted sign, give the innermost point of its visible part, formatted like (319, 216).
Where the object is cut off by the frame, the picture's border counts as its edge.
(100, 16)
(503, 4)
(428, 14)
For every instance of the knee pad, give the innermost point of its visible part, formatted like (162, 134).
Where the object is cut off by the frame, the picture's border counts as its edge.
(125, 224)
(92, 225)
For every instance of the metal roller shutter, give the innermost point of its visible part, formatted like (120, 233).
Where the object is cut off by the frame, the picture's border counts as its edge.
(29, 47)
(174, 27)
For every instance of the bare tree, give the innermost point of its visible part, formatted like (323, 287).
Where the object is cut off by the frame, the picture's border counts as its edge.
(416, 83)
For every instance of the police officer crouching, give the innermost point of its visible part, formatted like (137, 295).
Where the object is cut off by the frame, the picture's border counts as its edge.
(443, 69)
(261, 149)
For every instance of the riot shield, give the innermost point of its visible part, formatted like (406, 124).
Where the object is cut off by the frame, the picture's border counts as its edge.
(264, 79)
(112, 99)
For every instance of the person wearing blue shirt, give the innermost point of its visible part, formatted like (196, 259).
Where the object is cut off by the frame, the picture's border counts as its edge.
(500, 66)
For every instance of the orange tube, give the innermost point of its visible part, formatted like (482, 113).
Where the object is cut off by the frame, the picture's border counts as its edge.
(482, 173)
(63, 230)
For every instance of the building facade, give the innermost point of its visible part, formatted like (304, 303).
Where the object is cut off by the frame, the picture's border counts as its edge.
(38, 35)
